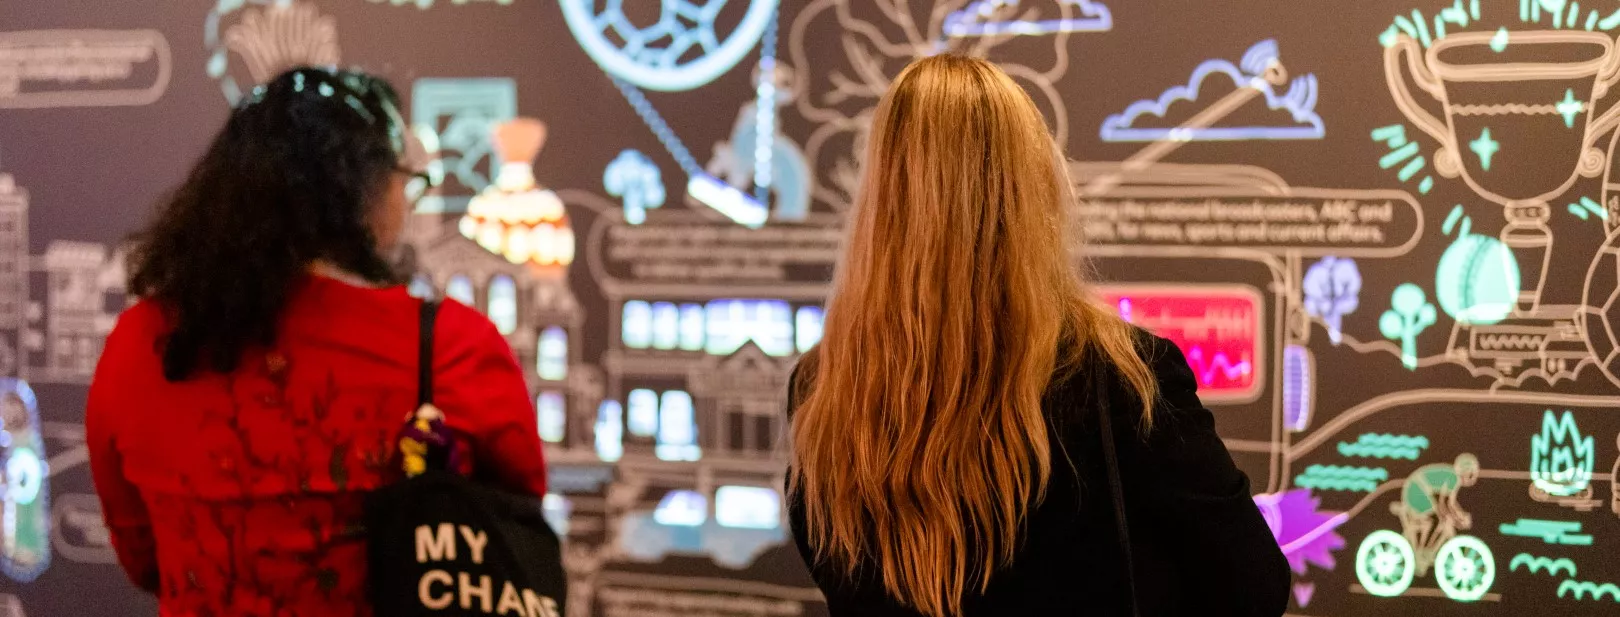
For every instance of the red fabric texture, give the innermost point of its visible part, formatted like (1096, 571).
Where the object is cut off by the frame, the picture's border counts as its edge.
(242, 493)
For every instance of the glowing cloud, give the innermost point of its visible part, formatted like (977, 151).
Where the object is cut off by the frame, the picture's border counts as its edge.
(990, 18)
(1258, 64)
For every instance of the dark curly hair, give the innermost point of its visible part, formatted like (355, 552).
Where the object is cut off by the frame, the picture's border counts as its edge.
(286, 182)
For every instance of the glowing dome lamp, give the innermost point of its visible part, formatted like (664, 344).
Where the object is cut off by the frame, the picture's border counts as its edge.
(515, 217)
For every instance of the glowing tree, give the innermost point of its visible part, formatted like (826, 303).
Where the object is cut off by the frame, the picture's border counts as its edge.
(1332, 290)
(1409, 313)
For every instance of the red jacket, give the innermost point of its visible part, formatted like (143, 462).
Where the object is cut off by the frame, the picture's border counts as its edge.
(242, 493)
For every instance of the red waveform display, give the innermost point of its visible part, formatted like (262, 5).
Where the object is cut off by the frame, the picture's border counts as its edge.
(1217, 327)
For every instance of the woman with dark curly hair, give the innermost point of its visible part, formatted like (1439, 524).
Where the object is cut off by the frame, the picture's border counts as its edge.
(245, 407)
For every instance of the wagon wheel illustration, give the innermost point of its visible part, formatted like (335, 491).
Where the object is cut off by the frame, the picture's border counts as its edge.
(682, 50)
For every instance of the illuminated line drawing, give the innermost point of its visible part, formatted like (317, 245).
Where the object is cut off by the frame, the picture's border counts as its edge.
(468, 110)
(724, 198)
(1586, 209)
(515, 217)
(1303, 593)
(53, 60)
(1537, 564)
(1581, 589)
(1552, 532)
(1402, 149)
(775, 165)
(1561, 459)
(1303, 532)
(1417, 27)
(1532, 11)
(1385, 564)
(659, 56)
(1477, 280)
(1298, 387)
(1464, 568)
(1341, 478)
(271, 36)
(25, 505)
(981, 19)
(1259, 73)
(1332, 289)
(1500, 41)
(634, 178)
(1410, 313)
(1598, 68)
(1374, 445)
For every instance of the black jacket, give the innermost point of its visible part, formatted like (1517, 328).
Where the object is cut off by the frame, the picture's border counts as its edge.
(1199, 544)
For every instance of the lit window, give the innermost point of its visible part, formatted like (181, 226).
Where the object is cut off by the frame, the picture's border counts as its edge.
(643, 413)
(731, 323)
(553, 416)
(460, 289)
(682, 509)
(666, 329)
(637, 329)
(807, 327)
(610, 431)
(677, 428)
(747, 507)
(556, 509)
(692, 325)
(503, 309)
(552, 358)
(421, 287)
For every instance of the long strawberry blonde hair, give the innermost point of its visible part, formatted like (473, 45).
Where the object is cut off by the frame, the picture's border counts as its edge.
(920, 444)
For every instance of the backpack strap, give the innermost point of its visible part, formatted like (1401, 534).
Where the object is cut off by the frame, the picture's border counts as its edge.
(1115, 486)
(424, 353)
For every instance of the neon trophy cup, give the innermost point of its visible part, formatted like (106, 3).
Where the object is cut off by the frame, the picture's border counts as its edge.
(1514, 108)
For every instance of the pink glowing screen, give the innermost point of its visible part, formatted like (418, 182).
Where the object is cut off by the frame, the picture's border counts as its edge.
(1217, 327)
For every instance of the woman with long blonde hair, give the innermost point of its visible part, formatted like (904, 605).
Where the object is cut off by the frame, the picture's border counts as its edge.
(973, 433)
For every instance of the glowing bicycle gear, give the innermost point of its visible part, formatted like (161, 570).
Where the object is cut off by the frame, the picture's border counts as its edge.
(1385, 564)
(659, 56)
(1464, 568)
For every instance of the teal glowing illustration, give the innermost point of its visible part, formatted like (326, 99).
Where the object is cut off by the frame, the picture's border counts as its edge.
(25, 504)
(1485, 147)
(1477, 281)
(1410, 313)
(1587, 209)
(455, 118)
(1374, 445)
(679, 51)
(1419, 27)
(1554, 14)
(1298, 119)
(1499, 42)
(1465, 569)
(759, 154)
(636, 181)
(984, 18)
(1580, 590)
(1385, 564)
(1569, 108)
(1342, 478)
(1537, 565)
(1402, 150)
(1561, 459)
(1552, 532)
(1332, 289)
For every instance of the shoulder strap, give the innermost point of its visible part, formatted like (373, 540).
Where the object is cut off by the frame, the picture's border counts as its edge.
(424, 352)
(1115, 486)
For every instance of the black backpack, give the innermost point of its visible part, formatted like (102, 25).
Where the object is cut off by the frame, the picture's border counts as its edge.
(442, 544)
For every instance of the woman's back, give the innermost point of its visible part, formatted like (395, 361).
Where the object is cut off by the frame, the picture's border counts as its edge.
(241, 493)
(1196, 534)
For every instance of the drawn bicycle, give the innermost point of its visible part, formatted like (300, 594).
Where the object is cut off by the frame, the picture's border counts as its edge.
(1387, 562)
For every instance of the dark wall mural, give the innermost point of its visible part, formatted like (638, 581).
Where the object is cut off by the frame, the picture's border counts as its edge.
(1381, 231)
